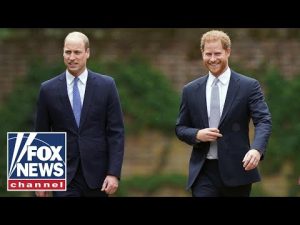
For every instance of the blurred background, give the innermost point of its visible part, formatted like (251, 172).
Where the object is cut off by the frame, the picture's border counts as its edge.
(150, 67)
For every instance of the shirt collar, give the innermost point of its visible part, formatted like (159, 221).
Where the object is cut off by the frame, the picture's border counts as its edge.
(82, 77)
(223, 78)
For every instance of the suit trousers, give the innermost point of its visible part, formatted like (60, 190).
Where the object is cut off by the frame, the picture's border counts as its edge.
(79, 188)
(209, 183)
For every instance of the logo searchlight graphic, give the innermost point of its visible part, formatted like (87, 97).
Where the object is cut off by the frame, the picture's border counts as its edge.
(36, 161)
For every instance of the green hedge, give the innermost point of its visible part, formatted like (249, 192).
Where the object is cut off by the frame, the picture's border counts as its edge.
(147, 97)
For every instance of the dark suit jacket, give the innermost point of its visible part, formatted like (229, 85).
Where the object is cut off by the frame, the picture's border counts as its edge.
(244, 101)
(99, 140)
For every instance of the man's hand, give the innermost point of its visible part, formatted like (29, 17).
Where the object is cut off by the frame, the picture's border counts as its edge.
(251, 159)
(110, 184)
(208, 134)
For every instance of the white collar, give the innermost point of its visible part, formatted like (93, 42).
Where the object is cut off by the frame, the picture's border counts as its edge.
(223, 78)
(82, 77)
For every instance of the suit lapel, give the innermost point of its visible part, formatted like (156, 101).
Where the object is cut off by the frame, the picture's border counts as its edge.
(200, 99)
(232, 91)
(89, 91)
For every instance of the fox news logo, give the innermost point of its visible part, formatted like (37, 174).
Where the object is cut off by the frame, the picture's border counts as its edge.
(36, 161)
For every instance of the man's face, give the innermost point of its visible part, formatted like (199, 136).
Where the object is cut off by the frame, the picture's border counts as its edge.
(215, 58)
(75, 55)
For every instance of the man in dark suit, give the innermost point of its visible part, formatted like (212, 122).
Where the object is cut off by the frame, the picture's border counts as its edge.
(214, 117)
(95, 130)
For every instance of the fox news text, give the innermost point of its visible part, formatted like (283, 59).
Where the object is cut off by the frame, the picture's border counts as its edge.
(36, 161)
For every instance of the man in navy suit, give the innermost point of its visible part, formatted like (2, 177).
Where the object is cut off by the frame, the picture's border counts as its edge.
(222, 163)
(95, 141)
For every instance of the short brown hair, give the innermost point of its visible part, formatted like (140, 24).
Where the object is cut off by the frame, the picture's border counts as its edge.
(215, 35)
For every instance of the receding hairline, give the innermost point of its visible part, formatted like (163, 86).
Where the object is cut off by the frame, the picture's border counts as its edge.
(80, 35)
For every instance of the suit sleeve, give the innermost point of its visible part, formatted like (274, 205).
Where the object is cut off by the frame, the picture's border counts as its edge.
(184, 130)
(261, 118)
(42, 122)
(115, 132)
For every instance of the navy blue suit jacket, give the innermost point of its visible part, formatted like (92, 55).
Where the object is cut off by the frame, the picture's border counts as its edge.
(244, 101)
(99, 141)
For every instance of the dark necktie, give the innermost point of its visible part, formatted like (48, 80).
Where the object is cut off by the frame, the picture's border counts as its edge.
(214, 116)
(76, 101)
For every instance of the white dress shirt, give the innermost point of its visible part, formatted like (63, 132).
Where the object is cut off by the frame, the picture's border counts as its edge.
(81, 85)
(223, 84)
